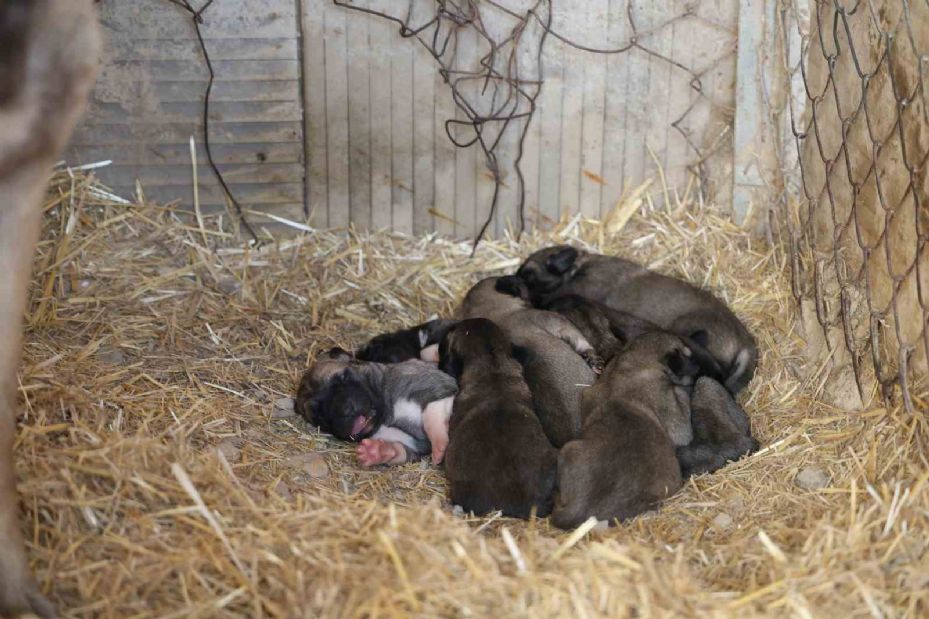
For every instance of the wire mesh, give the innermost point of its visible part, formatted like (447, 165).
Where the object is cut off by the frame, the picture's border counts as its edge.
(857, 233)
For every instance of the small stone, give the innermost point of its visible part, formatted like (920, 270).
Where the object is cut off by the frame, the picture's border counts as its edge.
(601, 526)
(458, 511)
(283, 408)
(348, 488)
(113, 356)
(228, 285)
(722, 521)
(230, 451)
(283, 491)
(313, 464)
(812, 478)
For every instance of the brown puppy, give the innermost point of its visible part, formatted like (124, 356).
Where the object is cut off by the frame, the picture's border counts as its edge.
(592, 322)
(498, 456)
(722, 432)
(555, 367)
(611, 330)
(670, 303)
(625, 462)
(48, 61)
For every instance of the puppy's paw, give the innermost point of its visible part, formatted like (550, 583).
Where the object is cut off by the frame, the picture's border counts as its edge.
(373, 451)
(438, 450)
(595, 362)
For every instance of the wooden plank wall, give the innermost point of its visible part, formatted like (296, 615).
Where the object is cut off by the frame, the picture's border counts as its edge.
(149, 101)
(372, 108)
(375, 109)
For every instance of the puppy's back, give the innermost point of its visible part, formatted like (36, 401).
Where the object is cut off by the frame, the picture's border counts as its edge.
(499, 459)
(498, 456)
(623, 466)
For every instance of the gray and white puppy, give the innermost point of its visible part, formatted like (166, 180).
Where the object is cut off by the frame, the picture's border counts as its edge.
(670, 303)
(624, 463)
(398, 412)
(559, 359)
(722, 432)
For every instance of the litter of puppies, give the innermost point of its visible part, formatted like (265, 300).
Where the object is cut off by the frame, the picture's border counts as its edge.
(147, 347)
(530, 371)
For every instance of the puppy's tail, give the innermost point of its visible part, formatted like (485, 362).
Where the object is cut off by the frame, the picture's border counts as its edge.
(742, 370)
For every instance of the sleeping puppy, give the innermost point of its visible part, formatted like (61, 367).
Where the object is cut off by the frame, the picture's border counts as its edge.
(498, 456)
(419, 342)
(398, 412)
(559, 363)
(592, 322)
(722, 432)
(670, 303)
(624, 463)
(610, 330)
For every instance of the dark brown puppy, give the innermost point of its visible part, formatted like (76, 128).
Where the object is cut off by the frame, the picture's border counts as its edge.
(498, 457)
(722, 432)
(592, 322)
(634, 415)
(670, 303)
(609, 330)
(559, 362)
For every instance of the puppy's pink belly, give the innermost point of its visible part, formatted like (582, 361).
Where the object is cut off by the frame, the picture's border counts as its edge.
(435, 422)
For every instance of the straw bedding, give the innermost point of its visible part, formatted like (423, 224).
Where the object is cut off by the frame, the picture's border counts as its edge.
(159, 478)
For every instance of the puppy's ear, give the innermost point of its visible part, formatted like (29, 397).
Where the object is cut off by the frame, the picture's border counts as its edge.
(338, 354)
(304, 394)
(513, 286)
(449, 360)
(520, 353)
(314, 410)
(701, 337)
(707, 364)
(681, 366)
(561, 261)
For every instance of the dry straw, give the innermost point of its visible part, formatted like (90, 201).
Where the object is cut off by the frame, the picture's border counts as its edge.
(158, 480)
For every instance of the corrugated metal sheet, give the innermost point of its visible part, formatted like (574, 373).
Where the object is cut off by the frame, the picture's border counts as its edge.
(149, 101)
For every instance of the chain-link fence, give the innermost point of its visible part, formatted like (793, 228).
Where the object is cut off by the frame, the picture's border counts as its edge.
(857, 223)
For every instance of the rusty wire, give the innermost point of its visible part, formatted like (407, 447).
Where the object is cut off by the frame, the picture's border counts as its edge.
(860, 128)
(514, 86)
(196, 16)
